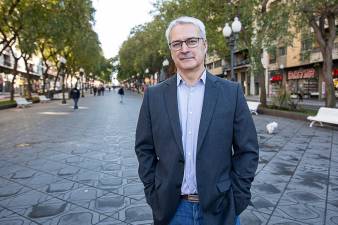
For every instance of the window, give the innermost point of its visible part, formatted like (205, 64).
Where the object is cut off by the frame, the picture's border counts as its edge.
(306, 44)
(281, 51)
(306, 47)
(272, 55)
(218, 63)
(7, 60)
(31, 67)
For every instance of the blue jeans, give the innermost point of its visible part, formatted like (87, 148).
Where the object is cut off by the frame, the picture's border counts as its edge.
(189, 213)
(75, 103)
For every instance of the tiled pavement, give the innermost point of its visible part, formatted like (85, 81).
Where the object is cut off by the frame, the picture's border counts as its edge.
(79, 168)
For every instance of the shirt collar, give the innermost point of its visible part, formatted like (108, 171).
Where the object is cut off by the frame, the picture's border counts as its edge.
(202, 78)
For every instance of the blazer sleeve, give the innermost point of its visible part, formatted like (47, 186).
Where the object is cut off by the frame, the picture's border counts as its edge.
(245, 157)
(144, 147)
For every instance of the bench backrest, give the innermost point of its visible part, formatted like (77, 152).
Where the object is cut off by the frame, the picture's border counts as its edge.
(21, 100)
(327, 112)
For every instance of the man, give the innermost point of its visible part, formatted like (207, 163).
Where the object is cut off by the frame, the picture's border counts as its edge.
(75, 95)
(195, 139)
(121, 93)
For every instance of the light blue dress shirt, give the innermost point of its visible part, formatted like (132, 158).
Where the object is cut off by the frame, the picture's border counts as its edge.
(190, 102)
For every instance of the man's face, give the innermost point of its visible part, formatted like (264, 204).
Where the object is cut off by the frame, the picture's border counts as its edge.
(188, 59)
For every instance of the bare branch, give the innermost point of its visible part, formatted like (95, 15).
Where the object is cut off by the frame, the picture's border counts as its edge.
(317, 31)
(332, 28)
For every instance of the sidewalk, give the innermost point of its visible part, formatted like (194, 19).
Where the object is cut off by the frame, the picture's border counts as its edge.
(64, 167)
(306, 103)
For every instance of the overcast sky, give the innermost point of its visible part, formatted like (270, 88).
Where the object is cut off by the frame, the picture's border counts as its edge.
(115, 19)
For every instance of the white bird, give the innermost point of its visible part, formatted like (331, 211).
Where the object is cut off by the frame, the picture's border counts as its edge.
(272, 127)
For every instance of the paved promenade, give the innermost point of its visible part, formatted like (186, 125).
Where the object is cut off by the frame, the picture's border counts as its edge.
(65, 167)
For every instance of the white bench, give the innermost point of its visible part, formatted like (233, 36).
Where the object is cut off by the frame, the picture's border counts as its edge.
(325, 115)
(43, 99)
(22, 102)
(253, 106)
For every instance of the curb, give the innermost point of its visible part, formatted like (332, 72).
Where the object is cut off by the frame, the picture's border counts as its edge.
(284, 114)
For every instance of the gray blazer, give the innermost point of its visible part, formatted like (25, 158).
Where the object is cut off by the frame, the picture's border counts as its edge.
(223, 176)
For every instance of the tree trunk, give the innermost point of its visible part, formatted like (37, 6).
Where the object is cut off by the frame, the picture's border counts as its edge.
(56, 79)
(330, 100)
(29, 79)
(44, 78)
(259, 71)
(15, 72)
(262, 97)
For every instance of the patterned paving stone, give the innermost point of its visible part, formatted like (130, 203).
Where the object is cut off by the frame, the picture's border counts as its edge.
(138, 213)
(82, 196)
(62, 213)
(110, 203)
(22, 203)
(9, 189)
(90, 176)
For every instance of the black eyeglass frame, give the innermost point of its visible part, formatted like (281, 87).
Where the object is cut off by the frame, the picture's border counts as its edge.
(185, 41)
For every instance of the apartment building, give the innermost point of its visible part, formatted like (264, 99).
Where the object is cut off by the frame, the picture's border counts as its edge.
(299, 67)
(36, 71)
(242, 69)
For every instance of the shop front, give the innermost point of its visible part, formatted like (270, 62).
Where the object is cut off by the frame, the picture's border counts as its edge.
(303, 82)
(276, 82)
(335, 80)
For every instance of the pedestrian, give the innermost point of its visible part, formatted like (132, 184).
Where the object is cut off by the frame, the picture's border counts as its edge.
(102, 90)
(196, 142)
(99, 90)
(121, 93)
(94, 90)
(75, 95)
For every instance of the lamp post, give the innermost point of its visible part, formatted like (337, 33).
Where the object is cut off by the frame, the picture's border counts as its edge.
(81, 75)
(162, 76)
(231, 33)
(63, 62)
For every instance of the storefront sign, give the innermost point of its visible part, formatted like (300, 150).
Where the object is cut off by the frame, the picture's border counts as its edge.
(276, 78)
(301, 74)
(335, 73)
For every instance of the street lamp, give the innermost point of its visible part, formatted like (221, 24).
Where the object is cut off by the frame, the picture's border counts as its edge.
(81, 75)
(231, 33)
(63, 62)
(162, 76)
(91, 83)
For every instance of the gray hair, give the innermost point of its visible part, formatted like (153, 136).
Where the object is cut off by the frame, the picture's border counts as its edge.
(186, 20)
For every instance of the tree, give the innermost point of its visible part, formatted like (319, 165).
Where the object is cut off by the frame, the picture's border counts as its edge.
(8, 30)
(321, 16)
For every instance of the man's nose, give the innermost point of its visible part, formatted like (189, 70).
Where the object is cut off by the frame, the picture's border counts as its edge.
(185, 47)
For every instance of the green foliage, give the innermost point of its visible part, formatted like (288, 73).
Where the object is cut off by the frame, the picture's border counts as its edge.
(7, 102)
(53, 28)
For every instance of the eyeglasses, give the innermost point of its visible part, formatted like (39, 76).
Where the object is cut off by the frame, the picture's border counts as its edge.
(190, 42)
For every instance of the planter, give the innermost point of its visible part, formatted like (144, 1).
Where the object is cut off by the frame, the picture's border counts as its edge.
(282, 113)
(13, 105)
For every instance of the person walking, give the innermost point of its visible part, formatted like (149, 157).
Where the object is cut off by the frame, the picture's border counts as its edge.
(196, 141)
(75, 95)
(121, 93)
(95, 90)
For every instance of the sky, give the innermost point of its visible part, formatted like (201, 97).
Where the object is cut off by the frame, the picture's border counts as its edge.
(115, 18)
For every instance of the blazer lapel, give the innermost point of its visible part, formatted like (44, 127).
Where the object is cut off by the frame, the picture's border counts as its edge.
(209, 103)
(170, 97)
